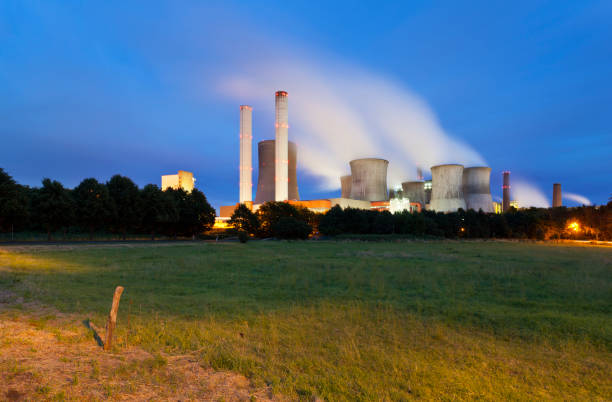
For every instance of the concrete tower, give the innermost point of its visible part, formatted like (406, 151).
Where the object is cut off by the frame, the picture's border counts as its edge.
(369, 179)
(265, 180)
(447, 188)
(345, 186)
(506, 192)
(557, 195)
(246, 154)
(281, 161)
(477, 189)
(415, 192)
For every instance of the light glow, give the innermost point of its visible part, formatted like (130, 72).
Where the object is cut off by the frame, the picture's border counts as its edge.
(574, 226)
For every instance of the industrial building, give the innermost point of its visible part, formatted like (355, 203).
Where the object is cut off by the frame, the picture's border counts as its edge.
(182, 179)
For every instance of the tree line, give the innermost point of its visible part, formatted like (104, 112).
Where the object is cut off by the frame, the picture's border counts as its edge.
(117, 206)
(283, 220)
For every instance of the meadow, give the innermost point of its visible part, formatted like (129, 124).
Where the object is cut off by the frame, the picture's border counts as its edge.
(351, 320)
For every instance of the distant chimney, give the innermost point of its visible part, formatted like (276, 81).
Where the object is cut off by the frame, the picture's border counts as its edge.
(557, 195)
(246, 153)
(506, 192)
(281, 148)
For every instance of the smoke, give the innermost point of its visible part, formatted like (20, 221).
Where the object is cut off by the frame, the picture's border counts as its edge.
(528, 195)
(338, 113)
(580, 199)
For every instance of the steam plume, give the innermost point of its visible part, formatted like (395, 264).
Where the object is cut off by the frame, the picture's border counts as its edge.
(580, 199)
(340, 113)
(528, 195)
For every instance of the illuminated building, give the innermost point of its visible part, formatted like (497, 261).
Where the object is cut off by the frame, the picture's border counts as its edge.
(514, 204)
(427, 185)
(183, 179)
(497, 207)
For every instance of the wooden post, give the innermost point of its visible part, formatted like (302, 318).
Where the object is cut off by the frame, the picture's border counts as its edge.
(112, 318)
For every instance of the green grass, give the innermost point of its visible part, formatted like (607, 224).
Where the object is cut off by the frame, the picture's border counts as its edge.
(354, 320)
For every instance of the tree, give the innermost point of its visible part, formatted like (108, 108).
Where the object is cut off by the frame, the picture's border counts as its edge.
(53, 207)
(288, 227)
(383, 223)
(94, 205)
(127, 204)
(158, 209)
(332, 223)
(203, 212)
(244, 219)
(195, 215)
(13, 203)
(271, 212)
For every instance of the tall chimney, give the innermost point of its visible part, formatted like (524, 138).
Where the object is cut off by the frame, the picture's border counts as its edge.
(506, 192)
(557, 195)
(281, 148)
(246, 154)
(419, 174)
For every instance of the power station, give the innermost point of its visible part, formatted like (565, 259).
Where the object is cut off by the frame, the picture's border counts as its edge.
(452, 186)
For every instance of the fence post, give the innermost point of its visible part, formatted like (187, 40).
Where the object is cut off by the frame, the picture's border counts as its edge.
(112, 318)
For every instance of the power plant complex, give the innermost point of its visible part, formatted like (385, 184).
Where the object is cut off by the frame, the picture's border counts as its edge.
(452, 186)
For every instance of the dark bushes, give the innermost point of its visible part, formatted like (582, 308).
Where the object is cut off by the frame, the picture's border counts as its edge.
(117, 206)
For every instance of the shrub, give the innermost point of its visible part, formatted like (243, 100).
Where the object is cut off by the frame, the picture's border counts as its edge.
(243, 236)
(291, 228)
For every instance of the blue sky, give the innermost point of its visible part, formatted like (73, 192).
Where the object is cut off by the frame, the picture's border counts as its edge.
(144, 88)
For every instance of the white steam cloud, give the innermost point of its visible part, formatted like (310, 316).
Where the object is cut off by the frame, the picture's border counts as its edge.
(580, 199)
(337, 114)
(528, 195)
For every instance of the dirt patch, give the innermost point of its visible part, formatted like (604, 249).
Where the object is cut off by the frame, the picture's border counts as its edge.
(46, 355)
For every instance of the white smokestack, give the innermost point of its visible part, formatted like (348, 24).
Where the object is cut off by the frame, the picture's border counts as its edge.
(246, 153)
(281, 147)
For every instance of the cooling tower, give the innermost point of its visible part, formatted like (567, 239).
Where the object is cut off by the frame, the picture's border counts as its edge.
(557, 195)
(292, 184)
(506, 192)
(345, 186)
(246, 154)
(369, 179)
(477, 189)
(447, 188)
(415, 192)
(265, 180)
(282, 147)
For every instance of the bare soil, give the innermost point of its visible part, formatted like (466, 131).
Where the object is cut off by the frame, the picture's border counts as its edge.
(46, 355)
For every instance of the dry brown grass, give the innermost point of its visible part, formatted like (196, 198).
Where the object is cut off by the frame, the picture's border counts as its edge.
(46, 355)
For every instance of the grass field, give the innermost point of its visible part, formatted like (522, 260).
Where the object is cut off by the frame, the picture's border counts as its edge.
(352, 320)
